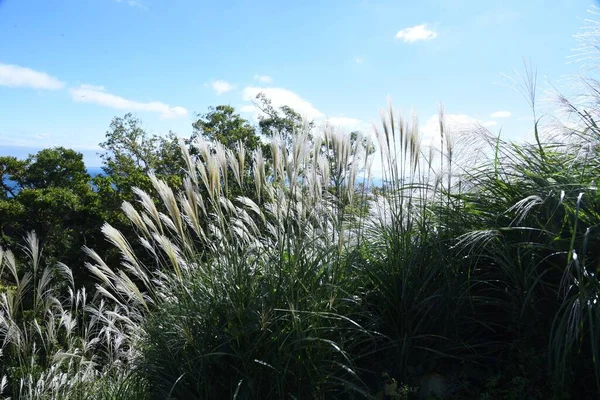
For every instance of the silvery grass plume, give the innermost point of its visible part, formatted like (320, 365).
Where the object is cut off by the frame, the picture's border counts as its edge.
(410, 179)
(52, 346)
(573, 117)
(586, 53)
(237, 219)
(288, 201)
(541, 199)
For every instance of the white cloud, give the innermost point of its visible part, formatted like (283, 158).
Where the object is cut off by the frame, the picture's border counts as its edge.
(280, 97)
(283, 97)
(416, 33)
(348, 124)
(248, 108)
(98, 95)
(221, 87)
(469, 139)
(467, 136)
(263, 78)
(92, 87)
(501, 114)
(455, 124)
(343, 121)
(430, 130)
(359, 60)
(15, 76)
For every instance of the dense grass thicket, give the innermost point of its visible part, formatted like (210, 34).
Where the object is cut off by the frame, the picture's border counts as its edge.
(282, 272)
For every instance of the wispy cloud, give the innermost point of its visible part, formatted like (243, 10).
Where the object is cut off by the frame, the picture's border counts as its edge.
(221, 87)
(263, 79)
(98, 95)
(359, 60)
(22, 138)
(501, 114)
(16, 76)
(415, 33)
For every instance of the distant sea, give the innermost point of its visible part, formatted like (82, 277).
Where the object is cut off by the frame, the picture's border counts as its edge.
(92, 171)
(22, 152)
(95, 171)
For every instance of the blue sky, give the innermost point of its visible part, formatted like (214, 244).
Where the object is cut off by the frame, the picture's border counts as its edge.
(68, 66)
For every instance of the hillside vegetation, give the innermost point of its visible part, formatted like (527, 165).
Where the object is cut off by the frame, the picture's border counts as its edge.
(261, 262)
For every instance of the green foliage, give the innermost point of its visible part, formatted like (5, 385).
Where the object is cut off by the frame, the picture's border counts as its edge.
(130, 155)
(284, 123)
(9, 167)
(241, 306)
(534, 264)
(244, 337)
(57, 167)
(52, 196)
(223, 125)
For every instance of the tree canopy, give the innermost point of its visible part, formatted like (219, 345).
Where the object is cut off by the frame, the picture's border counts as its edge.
(222, 124)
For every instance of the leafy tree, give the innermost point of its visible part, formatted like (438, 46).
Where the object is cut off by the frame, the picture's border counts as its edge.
(285, 122)
(55, 167)
(51, 193)
(130, 155)
(9, 168)
(128, 146)
(224, 125)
